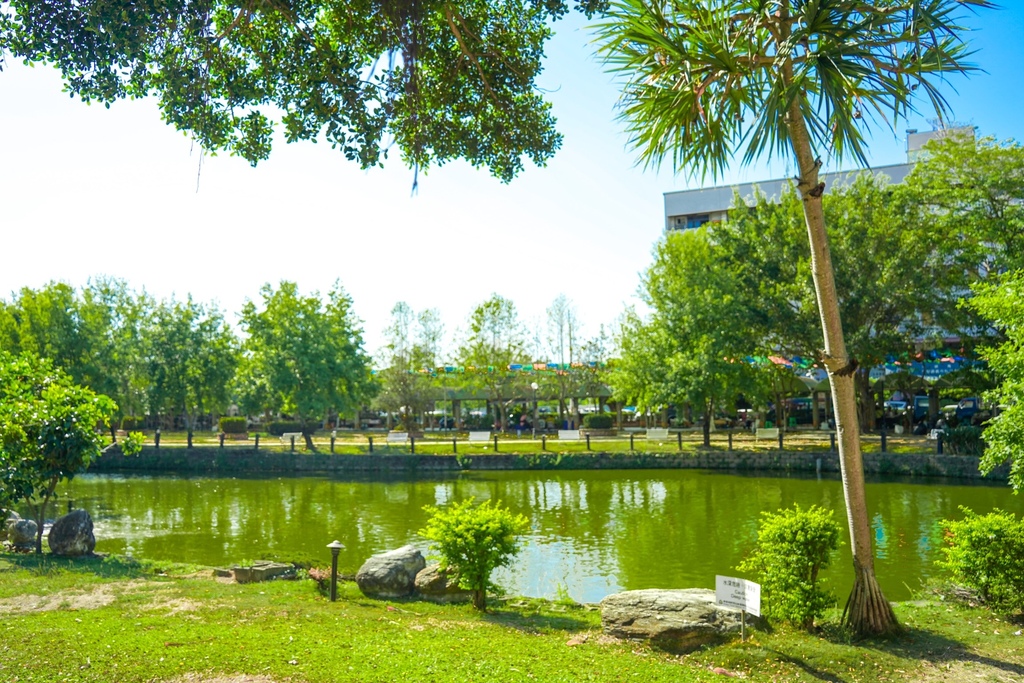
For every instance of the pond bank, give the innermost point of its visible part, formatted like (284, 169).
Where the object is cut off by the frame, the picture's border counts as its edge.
(224, 461)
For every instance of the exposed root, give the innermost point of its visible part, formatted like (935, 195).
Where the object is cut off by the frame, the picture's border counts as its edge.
(867, 612)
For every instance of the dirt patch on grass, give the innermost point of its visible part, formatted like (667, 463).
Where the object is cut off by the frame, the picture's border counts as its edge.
(969, 670)
(94, 598)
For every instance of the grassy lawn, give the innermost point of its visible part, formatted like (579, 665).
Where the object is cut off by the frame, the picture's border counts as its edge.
(439, 443)
(118, 620)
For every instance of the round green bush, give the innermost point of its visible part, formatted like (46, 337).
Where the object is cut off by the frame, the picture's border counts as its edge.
(233, 425)
(598, 421)
(793, 546)
(986, 553)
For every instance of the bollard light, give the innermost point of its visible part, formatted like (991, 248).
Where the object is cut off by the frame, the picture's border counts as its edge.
(335, 547)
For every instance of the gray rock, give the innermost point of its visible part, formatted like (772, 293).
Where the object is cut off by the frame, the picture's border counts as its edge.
(71, 535)
(263, 571)
(21, 533)
(676, 620)
(435, 585)
(391, 574)
(12, 517)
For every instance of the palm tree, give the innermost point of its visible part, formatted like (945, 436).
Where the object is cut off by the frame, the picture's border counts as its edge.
(707, 78)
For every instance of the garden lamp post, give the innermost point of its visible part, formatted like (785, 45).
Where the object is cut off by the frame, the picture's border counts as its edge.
(335, 547)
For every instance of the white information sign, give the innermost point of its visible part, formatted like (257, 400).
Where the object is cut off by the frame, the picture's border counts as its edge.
(739, 594)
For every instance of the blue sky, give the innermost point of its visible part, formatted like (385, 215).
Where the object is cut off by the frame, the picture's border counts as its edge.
(89, 191)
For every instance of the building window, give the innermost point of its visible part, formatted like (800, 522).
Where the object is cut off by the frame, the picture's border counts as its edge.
(696, 220)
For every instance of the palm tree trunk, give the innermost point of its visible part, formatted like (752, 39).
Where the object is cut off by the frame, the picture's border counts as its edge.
(867, 611)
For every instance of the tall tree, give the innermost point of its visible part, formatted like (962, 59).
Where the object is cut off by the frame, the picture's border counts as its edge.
(1000, 303)
(192, 357)
(303, 355)
(700, 336)
(54, 322)
(797, 78)
(438, 81)
(47, 431)
(562, 346)
(913, 282)
(405, 388)
(495, 340)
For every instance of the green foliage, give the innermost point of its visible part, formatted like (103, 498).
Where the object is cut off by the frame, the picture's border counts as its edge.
(132, 443)
(413, 344)
(474, 540)
(1000, 304)
(303, 356)
(986, 553)
(233, 425)
(692, 346)
(47, 431)
(706, 80)
(193, 357)
(131, 423)
(496, 340)
(438, 82)
(598, 421)
(964, 440)
(973, 189)
(793, 546)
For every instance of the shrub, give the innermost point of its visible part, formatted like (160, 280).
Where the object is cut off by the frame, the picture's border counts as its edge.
(233, 425)
(280, 427)
(598, 421)
(964, 440)
(793, 546)
(133, 423)
(132, 443)
(986, 553)
(474, 541)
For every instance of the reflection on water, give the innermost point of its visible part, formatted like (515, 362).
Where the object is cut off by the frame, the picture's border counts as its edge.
(592, 533)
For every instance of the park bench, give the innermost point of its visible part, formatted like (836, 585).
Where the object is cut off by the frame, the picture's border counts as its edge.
(397, 438)
(478, 437)
(766, 433)
(568, 435)
(657, 435)
(287, 437)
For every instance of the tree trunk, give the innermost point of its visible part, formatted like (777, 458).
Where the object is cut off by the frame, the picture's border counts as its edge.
(709, 415)
(867, 611)
(480, 599)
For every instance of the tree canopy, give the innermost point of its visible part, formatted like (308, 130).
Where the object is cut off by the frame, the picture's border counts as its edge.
(303, 355)
(47, 431)
(704, 80)
(437, 80)
(1001, 303)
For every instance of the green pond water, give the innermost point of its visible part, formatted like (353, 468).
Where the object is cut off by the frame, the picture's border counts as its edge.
(593, 532)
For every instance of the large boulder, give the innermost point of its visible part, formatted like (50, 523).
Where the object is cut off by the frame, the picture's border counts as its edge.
(11, 518)
(675, 620)
(391, 574)
(435, 585)
(71, 535)
(21, 533)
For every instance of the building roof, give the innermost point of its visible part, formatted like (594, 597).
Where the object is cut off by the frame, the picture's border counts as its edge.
(720, 198)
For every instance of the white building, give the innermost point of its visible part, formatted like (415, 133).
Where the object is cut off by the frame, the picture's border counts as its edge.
(692, 208)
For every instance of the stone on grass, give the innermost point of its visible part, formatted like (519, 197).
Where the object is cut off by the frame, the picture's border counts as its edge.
(391, 574)
(71, 535)
(435, 585)
(674, 620)
(263, 571)
(11, 518)
(21, 533)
